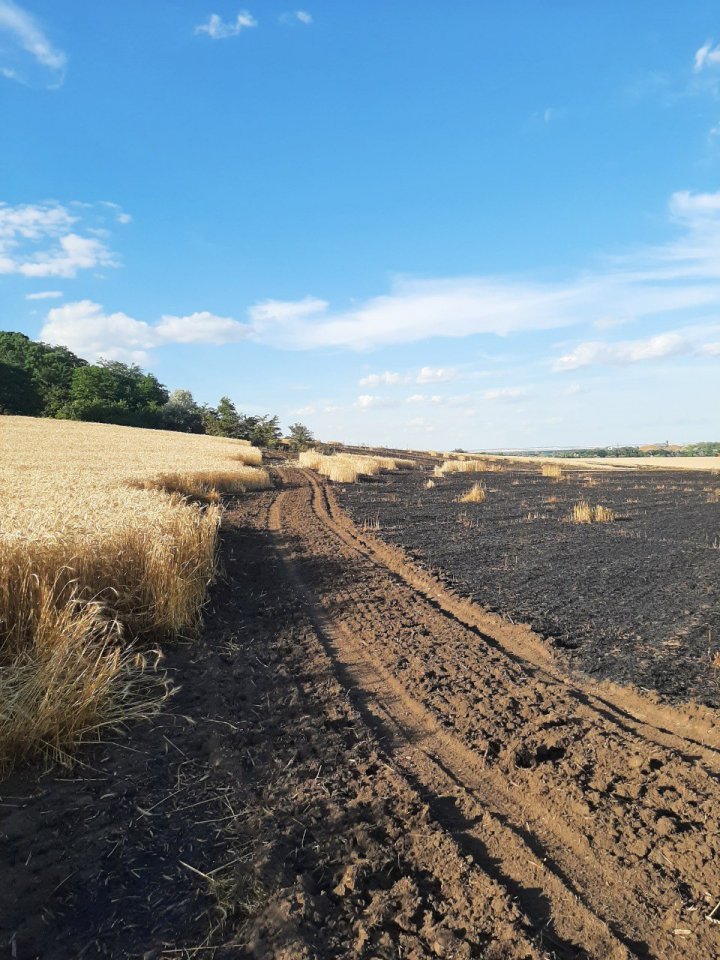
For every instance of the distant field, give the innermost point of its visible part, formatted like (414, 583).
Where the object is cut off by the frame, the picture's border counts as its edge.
(98, 547)
(610, 463)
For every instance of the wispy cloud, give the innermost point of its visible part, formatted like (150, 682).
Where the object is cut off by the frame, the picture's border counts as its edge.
(44, 295)
(624, 351)
(296, 16)
(218, 29)
(30, 56)
(376, 379)
(505, 393)
(707, 56)
(370, 402)
(677, 280)
(668, 288)
(48, 240)
(436, 375)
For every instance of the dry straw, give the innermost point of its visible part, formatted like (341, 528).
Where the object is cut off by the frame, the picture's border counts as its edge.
(102, 542)
(476, 494)
(349, 467)
(583, 513)
(552, 470)
(464, 466)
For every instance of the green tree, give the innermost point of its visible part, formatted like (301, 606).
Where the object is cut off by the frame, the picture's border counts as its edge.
(182, 413)
(114, 392)
(228, 421)
(17, 391)
(265, 432)
(51, 368)
(209, 417)
(300, 436)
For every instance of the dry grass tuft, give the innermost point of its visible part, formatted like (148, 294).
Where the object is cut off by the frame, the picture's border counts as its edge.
(583, 513)
(429, 484)
(462, 466)
(249, 455)
(99, 547)
(476, 494)
(552, 470)
(714, 496)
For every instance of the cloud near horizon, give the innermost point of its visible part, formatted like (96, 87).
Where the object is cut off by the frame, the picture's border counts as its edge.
(678, 281)
(86, 329)
(624, 352)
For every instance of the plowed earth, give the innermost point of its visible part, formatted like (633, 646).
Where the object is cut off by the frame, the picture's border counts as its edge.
(636, 601)
(362, 764)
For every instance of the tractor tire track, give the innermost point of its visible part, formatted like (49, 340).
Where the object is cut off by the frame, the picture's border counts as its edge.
(602, 826)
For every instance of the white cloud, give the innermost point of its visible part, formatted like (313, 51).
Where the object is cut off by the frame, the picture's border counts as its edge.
(218, 29)
(305, 411)
(72, 254)
(624, 352)
(88, 330)
(296, 16)
(505, 393)
(120, 215)
(44, 295)
(30, 49)
(375, 379)
(710, 350)
(695, 208)
(707, 56)
(202, 327)
(436, 375)
(680, 278)
(284, 312)
(370, 401)
(423, 398)
(42, 240)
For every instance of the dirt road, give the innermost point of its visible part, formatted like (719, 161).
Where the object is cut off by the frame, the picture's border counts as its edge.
(359, 764)
(596, 815)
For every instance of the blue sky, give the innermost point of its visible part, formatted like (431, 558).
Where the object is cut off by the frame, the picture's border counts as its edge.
(415, 224)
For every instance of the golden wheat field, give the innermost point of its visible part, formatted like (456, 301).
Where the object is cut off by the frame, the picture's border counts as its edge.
(99, 547)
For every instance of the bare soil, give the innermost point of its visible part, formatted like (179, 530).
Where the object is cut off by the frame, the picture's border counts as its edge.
(636, 601)
(362, 763)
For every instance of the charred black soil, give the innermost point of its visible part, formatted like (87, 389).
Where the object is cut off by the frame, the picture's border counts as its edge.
(634, 601)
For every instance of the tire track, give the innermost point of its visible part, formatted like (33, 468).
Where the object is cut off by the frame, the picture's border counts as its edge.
(545, 832)
(415, 744)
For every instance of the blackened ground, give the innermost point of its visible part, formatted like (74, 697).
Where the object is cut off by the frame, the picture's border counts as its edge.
(634, 601)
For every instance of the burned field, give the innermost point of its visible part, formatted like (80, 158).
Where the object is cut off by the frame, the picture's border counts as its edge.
(635, 600)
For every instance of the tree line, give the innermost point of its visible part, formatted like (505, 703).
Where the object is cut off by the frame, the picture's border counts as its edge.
(708, 448)
(39, 380)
